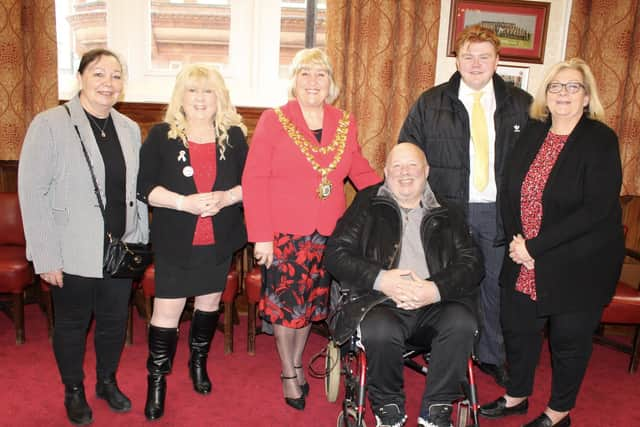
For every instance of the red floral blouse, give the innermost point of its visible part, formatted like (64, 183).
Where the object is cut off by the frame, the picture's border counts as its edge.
(531, 202)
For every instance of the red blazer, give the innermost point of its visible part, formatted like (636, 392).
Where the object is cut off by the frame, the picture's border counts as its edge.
(279, 184)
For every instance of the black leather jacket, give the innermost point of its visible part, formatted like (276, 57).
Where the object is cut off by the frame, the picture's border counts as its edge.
(367, 239)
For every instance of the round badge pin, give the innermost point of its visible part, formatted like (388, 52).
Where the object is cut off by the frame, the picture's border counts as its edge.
(187, 171)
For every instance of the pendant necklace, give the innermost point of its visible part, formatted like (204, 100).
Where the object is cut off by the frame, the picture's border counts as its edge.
(101, 129)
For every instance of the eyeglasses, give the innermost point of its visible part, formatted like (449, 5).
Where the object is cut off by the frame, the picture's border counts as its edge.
(571, 87)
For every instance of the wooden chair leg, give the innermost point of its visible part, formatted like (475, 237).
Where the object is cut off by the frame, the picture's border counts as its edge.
(129, 338)
(236, 316)
(42, 295)
(251, 328)
(228, 328)
(148, 309)
(48, 304)
(635, 351)
(18, 316)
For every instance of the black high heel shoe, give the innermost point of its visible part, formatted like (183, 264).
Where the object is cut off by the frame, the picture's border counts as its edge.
(295, 402)
(304, 387)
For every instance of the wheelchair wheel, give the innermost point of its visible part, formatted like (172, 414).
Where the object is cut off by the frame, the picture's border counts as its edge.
(350, 420)
(332, 369)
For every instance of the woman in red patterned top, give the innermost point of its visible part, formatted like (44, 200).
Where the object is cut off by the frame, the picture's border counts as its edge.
(190, 171)
(560, 204)
(300, 156)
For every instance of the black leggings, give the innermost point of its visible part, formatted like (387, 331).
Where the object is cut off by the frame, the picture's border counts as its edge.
(80, 297)
(570, 339)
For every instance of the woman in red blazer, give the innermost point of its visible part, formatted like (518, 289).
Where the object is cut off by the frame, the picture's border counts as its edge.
(560, 204)
(293, 186)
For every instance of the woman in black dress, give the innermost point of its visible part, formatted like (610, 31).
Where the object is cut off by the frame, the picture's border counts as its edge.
(190, 171)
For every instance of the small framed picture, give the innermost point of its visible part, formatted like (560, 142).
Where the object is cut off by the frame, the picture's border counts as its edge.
(518, 76)
(521, 26)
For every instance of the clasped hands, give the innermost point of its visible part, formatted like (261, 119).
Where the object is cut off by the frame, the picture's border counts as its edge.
(205, 204)
(407, 290)
(519, 254)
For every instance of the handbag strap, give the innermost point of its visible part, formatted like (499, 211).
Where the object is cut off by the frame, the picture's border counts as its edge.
(93, 175)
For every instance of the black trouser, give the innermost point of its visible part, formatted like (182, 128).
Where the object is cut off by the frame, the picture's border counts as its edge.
(570, 336)
(74, 303)
(447, 328)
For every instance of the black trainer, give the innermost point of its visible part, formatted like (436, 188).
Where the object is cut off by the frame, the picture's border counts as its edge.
(390, 415)
(439, 416)
(78, 410)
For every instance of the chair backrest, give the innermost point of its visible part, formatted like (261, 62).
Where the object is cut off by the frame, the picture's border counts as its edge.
(11, 231)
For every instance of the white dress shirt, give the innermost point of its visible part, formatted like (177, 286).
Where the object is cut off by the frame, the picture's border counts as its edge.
(488, 101)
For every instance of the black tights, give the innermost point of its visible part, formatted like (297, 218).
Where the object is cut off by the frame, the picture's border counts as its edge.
(290, 343)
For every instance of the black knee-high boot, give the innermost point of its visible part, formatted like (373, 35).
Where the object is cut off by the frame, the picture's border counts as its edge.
(162, 349)
(203, 327)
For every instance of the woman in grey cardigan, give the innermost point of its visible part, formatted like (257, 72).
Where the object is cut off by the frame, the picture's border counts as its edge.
(66, 232)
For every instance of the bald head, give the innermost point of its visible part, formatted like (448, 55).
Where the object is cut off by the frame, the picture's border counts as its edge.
(406, 171)
(406, 149)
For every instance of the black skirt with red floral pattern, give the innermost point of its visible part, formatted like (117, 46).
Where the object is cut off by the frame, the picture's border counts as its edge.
(296, 286)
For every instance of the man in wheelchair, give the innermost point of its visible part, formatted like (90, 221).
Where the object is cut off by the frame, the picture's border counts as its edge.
(408, 271)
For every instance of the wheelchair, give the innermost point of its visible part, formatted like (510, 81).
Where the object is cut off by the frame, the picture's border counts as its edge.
(349, 360)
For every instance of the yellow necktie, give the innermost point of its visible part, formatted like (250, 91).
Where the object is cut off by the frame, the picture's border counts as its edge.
(480, 138)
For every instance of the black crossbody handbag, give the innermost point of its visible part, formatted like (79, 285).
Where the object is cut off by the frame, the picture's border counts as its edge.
(121, 259)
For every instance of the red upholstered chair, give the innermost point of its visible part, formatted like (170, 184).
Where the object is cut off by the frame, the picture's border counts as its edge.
(148, 285)
(252, 286)
(228, 300)
(624, 309)
(15, 271)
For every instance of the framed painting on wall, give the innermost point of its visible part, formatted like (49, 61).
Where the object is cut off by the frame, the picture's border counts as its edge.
(518, 76)
(520, 25)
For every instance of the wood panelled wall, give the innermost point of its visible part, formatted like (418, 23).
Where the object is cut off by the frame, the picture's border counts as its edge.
(8, 175)
(146, 115)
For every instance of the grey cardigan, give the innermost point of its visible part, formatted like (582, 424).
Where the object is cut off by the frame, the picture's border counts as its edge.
(63, 225)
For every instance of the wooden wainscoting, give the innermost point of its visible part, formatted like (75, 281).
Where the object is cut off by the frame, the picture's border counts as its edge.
(145, 114)
(8, 175)
(148, 114)
(631, 218)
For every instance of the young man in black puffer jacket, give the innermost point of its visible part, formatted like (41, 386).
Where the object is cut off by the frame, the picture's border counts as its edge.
(466, 127)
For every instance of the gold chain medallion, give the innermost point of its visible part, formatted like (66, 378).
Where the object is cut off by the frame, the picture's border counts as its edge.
(307, 148)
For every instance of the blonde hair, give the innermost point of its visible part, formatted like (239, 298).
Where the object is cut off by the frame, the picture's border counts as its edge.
(307, 58)
(594, 109)
(477, 34)
(225, 115)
